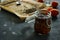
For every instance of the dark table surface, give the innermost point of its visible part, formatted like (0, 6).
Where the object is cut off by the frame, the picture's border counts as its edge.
(11, 28)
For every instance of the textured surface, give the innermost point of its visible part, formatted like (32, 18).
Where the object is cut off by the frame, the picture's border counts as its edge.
(11, 28)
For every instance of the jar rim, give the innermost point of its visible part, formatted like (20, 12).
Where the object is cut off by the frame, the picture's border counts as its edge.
(44, 16)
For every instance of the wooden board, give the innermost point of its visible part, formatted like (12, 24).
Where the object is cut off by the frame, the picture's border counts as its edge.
(18, 10)
(7, 1)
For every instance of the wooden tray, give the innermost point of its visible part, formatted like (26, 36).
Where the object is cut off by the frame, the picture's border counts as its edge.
(18, 10)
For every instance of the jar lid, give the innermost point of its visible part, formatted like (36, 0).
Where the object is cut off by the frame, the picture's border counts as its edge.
(41, 16)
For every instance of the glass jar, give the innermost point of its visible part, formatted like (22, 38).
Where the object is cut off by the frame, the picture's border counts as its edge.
(42, 23)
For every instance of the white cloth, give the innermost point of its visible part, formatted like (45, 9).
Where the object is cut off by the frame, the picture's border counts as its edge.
(32, 17)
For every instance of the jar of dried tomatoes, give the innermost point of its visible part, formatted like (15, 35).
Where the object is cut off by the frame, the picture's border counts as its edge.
(42, 23)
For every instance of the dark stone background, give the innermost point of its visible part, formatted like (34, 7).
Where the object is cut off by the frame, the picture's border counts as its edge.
(11, 28)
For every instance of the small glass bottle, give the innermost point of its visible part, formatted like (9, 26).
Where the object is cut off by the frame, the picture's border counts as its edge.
(47, 2)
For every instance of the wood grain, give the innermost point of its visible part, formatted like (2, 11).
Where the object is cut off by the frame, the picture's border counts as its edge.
(18, 10)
